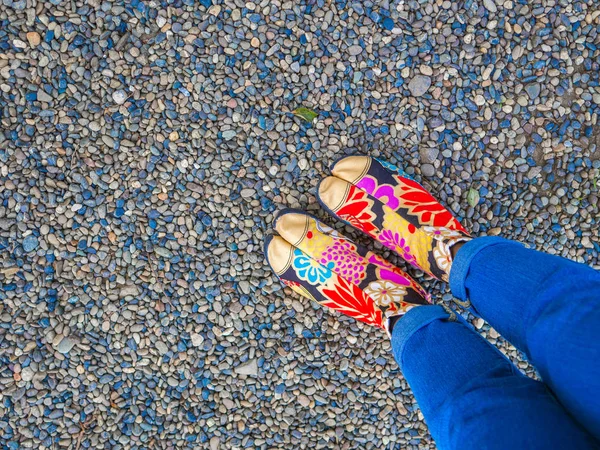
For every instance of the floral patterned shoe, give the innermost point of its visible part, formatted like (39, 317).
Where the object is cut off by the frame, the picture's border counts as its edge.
(321, 264)
(382, 201)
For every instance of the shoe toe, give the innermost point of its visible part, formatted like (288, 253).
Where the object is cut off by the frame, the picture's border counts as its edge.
(332, 192)
(351, 168)
(293, 226)
(279, 254)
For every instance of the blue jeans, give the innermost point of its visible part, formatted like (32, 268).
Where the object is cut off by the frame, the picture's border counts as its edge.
(471, 395)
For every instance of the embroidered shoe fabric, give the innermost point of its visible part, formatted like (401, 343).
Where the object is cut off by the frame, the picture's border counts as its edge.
(323, 265)
(382, 201)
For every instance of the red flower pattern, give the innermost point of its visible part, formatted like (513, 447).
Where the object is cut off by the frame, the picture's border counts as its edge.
(351, 300)
(357, 210)
(421, 203)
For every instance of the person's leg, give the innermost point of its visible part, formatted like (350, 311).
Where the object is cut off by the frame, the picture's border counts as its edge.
(547, 306)
(471, 396)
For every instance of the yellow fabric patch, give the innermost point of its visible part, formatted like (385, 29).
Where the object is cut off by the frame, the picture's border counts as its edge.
(420, 243)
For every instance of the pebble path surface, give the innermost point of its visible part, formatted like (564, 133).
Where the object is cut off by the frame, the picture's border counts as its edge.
(145, 145)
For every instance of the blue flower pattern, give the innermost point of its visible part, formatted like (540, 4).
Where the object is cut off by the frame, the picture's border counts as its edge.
(310, 270)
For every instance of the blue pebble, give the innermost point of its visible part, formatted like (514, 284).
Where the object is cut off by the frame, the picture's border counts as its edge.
(30, 243)
(56, 414)
(358, 8)
(388, 24)
(262, 122)
(536, 138)
(106, 379)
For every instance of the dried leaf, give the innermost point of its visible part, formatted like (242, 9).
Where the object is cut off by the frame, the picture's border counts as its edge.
(473, 197)
(304, 113)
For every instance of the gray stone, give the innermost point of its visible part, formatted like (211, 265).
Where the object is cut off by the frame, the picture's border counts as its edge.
(490, 5)
(303, 400)
(229, 134)
(66, 345)
(244, 286)
(42, 96)
(161, 21)
(130, 290)
(164, 252)
(5, 224)
(161, 347)
(427, 170)
(419, 85)
(249, 368)
(27, 374)
(197, 339)
(119, 97)
(429, 154)
(533, 90)
(247, 193)
(355, 50)
(571, 209)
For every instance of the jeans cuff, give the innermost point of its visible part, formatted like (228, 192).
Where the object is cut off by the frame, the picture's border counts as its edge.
(411, 322)
(464, 257)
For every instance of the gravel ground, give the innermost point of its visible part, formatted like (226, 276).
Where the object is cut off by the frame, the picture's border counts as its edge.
(145, 145)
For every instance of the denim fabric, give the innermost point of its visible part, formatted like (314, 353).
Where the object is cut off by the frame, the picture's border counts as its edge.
(473, 397)
(546, 306)
(461, 265)
(413, 320)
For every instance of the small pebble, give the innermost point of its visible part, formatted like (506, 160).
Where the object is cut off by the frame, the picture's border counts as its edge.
(229, 134)
(428, 170)
(119, 97)
(27, 374)
(355, 50)
(533, 90)
(490, 5)
(161, 21)
(419, 85)
(197, 339)
(249, 368)
(42, 96)
(30, 243)
(33, 38)
(65, 345)
(303, 400)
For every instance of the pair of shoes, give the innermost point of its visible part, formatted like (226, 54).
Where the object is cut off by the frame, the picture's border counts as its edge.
(382, 201)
